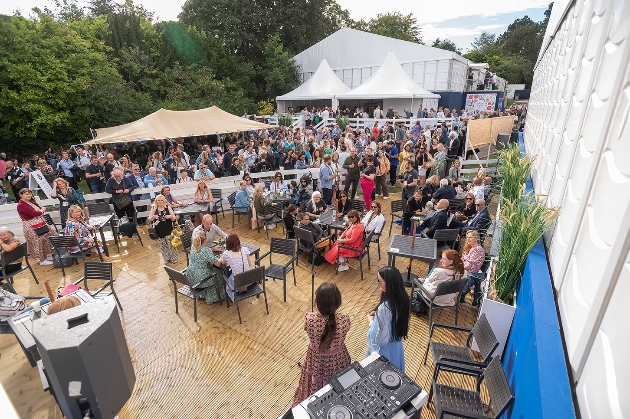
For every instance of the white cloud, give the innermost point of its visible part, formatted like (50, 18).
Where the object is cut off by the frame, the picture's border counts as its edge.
(436, 11)
(431, 32)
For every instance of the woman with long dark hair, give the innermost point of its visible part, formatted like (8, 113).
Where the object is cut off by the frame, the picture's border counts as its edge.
(389, 322)
(327, 353)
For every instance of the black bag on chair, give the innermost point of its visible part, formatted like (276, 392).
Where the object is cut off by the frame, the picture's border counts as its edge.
(57, 261)
(319, 259)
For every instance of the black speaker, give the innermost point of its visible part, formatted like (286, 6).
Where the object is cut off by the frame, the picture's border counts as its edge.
(86, 359)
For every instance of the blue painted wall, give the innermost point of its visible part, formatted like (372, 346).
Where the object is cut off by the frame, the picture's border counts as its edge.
(534, 359)
(523, 94)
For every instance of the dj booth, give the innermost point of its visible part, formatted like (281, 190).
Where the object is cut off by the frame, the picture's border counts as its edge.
(370, 389)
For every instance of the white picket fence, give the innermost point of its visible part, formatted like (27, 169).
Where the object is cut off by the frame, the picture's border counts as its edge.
(182, 191)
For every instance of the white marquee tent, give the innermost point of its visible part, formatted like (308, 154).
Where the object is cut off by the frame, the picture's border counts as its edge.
(319, 90)
(355, 56)
(394, 86)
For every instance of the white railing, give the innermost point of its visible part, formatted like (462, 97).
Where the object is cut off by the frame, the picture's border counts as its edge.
(9, 216)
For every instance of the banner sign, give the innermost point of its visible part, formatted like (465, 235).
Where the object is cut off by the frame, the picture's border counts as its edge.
(478, 102)
(39, 178)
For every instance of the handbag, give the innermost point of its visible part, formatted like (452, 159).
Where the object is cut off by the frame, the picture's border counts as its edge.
(122, 200)
(176, 239)
(41, 228)
(152, 233)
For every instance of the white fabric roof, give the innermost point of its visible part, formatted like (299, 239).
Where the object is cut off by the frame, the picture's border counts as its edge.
(351, 48)
(171, 124)
(390, 81)
(324, 84)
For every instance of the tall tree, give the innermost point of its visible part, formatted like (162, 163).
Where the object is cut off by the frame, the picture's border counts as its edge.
(446, 44)
(46, 71)
(279, 70)
(394, 25)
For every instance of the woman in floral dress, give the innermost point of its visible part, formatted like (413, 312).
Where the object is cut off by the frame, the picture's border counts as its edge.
(198, 269)
(75, 226)
(327, 353)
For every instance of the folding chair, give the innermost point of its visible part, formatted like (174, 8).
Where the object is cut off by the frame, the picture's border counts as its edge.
(64, 242)
(360, 254)
(284, 247)
(397, 210)
(101, 271)
(7, 258)
(256, 276)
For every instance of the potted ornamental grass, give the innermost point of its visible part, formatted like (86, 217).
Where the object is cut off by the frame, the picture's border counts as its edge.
(522, 220)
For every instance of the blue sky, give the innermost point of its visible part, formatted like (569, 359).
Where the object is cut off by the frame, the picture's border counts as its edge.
(458, 20)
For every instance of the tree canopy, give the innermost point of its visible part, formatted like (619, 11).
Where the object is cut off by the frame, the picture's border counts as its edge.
(447, 45)
(513, 54)
(69, 68)
(394, 25)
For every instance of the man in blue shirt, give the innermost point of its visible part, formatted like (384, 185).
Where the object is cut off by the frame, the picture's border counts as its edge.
(154, 179)
(393, 162)
(326, 177)
(66, 164)
(203, 173)
(250, 156)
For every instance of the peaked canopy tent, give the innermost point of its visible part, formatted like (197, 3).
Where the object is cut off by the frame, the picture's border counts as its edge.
(320, 90)
(394, 87)
(170, 124)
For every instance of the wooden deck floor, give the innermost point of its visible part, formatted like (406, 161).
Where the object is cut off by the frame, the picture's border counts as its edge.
(218, 368)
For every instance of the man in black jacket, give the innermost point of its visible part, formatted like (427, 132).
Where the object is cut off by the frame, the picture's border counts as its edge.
(353, 166)
(439, 220)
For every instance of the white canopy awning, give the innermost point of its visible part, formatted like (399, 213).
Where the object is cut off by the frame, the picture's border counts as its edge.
(390, 81)
(171, 124)
(323, 84)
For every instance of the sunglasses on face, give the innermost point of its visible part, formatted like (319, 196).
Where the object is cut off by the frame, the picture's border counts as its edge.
(373, 207)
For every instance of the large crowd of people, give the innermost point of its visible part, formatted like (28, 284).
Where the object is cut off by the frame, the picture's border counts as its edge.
(422, 159)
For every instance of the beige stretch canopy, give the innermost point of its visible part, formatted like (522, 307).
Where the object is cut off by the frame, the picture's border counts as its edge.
(171, 124)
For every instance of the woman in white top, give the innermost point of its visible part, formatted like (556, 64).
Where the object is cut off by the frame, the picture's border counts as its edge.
(237, 258)
(374, 220)
(203, 195)
(450, 268)
(278, 185)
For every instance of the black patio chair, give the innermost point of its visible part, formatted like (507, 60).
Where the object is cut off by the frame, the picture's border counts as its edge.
(451, 402)
(269, 210)
(60, 243)
(376, 238)
(188, 289)
(99, 271)
(218, 203)
(6, 258)
(358, 205)
(360, 254)
(50, 222)
(254, 276)
(99, 208)
(444, 288)
(284, 247)
(306, 244)
(447, 239)
(397, 210)
(455, 203)
(186, 244)
(235, 211)
(452, 355)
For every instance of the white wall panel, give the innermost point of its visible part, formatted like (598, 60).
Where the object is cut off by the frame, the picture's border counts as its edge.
(578, 126)
(603, 388)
